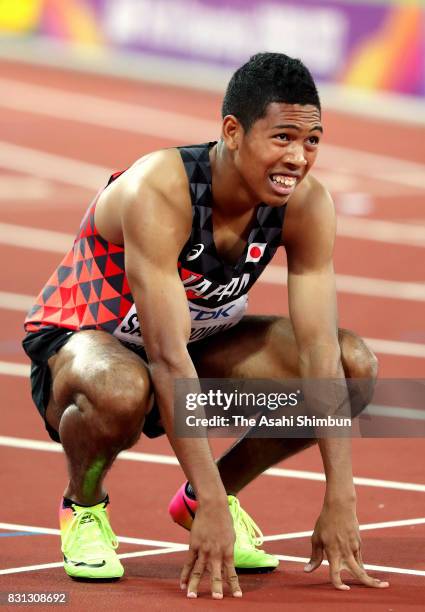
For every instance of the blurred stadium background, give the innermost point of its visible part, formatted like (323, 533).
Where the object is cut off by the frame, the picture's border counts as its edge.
(352, 46)
(87, 86)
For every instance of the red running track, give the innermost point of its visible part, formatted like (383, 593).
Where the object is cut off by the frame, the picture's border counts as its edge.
(34, 194)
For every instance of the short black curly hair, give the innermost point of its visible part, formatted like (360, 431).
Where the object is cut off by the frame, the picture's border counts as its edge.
(266, 78)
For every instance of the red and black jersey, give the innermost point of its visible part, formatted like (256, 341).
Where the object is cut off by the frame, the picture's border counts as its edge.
(89, 289)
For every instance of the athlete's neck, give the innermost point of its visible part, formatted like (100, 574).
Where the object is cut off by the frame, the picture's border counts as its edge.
(231, 195)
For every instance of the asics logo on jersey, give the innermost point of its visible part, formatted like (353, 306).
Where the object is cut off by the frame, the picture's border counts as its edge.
(195, 252)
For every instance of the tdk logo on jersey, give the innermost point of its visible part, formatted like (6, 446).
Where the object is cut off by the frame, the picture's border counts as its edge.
(199, 314)
(195, 252)
(255, 251)
(208, 321)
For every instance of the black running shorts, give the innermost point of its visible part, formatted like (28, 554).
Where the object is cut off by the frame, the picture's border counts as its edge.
(47, 341)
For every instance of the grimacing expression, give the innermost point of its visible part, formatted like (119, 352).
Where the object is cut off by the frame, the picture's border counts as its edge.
(279, 149)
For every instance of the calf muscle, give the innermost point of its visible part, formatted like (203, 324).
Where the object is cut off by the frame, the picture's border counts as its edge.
(101, 393)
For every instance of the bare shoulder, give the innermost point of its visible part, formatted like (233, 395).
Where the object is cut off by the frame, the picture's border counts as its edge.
(155, 185)
(310, 223)
(162, 171)
(310, 200)
(309, 210)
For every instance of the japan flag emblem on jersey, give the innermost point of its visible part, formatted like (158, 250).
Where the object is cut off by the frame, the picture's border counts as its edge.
(255, 251)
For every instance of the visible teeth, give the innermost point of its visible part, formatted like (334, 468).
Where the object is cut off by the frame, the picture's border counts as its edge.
(284, 180)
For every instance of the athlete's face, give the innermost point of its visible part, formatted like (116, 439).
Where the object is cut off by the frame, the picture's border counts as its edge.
(278, 150)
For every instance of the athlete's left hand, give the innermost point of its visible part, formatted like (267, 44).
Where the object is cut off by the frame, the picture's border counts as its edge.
(337, 536)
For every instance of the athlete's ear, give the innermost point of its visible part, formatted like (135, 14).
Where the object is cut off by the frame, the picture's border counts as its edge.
(231, 132)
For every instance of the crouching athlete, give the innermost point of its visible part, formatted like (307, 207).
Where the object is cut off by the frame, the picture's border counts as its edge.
(155, 289)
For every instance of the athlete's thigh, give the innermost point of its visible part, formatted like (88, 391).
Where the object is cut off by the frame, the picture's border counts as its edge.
(96, 365)
(262, 346)
(258, 347)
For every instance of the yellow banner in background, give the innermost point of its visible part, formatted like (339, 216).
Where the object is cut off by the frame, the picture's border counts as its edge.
(20, 15)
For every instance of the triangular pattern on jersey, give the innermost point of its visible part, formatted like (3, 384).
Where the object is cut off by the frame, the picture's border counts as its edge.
(90, 290)
(79, 295)
(266, 229)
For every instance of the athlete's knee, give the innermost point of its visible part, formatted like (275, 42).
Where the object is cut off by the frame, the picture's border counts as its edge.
(361, 369)
(125, 400)
(358, 360)
(114, 399)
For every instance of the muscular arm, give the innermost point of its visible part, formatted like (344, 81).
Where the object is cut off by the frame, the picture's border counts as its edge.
(309, 240)
(313, 310)
(156, 221)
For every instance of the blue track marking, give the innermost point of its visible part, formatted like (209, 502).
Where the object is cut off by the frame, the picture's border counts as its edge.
(19, 533)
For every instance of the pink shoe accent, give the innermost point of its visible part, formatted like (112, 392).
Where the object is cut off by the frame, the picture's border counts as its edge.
(65, 516)
(182, 509)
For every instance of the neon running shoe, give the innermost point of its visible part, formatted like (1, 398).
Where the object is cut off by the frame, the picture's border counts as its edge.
(88, 543)
(248, 555)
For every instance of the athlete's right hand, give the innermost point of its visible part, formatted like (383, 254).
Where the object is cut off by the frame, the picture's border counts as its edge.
(212, 539)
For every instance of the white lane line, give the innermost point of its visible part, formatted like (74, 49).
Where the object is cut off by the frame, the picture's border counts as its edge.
(394, 412)
(29, 528)
(270, 538)
(158, 551)
(105, 113)
(14, 369)
(18, 188)
(366, 527)
(387, 524)
(358, 480)
(39, 445)
(58, 242)
(372, 165)
(122, 539)
(357, 285)
(164, 551)
(16, 301)
(174, 548)
(93, 177)
(30, 568)
(53, 167)
(382, 231)
(133, 118)
(35, 239)
(377, 287)
(375, 568)
(391, 347)
(143, 553)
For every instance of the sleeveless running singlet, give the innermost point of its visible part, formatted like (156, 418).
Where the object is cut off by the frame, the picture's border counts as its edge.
(89, 289)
